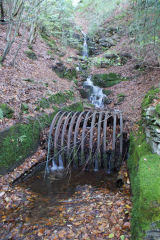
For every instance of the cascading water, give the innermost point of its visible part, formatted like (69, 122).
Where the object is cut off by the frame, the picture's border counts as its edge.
(96, 95)
(69, 132)
(85, 46)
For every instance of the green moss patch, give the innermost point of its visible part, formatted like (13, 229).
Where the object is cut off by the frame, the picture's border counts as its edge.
(58, 98)
(144, 168)
(75, 107)
(6, 111)
(148, 99)
(21, 140)
(30, 54)
(120, 98)
(107, 80)
(107, 92)
(68, 73)
(24, 108)
(158, 108)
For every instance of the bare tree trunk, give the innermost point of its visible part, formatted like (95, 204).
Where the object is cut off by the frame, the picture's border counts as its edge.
(2, 11)
(10, 40)
(19, 47)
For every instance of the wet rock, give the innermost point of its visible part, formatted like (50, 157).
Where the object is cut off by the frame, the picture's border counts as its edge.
(110, 56)
(108, 43)
(153, 235)
(152, 129)
(84, 92)
(125, 55)
(112, 30)
(150, 111)
(106, 80)
(107, 101)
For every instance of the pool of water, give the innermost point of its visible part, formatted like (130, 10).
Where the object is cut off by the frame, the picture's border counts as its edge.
(51, 193)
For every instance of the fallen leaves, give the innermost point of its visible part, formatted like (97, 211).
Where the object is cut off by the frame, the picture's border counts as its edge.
(91, 213)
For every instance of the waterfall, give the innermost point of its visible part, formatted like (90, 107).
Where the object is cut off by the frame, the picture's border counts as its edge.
(61, 166)
(96, 97)
(85, 46)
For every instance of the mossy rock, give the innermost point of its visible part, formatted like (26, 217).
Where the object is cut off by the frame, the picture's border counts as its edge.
(70, 74)
(64, 72)
(84, 92)
(30, 54)
(20, 141)
(158, 108)
(61, 97)
(107, 92)
(144, 168)
(107, 80)
(75, 107)
(6, 110)
(148, 99)
(58, 98)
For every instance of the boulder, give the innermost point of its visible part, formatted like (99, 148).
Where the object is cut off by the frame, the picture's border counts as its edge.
(64, 72)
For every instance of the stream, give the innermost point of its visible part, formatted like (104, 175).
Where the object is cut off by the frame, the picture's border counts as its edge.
(81, 205)
(96, 96)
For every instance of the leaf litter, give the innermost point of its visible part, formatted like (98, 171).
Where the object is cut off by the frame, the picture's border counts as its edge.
(90, 213)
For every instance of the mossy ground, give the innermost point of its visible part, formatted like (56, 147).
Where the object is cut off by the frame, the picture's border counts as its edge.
(107, 80)
(21, 140)
(148, 99)
(107, 92)
(6, 111)
(69, 74)
(144, 168)
(30, 54)
(58, 98)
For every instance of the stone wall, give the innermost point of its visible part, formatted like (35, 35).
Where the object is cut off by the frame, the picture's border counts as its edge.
(152, 128)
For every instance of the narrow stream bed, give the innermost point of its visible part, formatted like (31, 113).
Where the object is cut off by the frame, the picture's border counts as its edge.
(84, 205)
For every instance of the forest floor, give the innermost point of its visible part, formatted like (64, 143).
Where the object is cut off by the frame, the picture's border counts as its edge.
(90, 213)
(29, 80)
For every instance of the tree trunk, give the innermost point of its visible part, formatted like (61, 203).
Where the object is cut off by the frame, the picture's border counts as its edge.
(2, 11)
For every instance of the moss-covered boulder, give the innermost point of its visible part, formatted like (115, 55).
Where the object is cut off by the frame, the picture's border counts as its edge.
(30, 54)
(6, 111)
(75, 107)
(58, 98)
(21, 140)
(64, 72)
(148, 99)
(107, 92)
(144, 168)
(107, 80)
